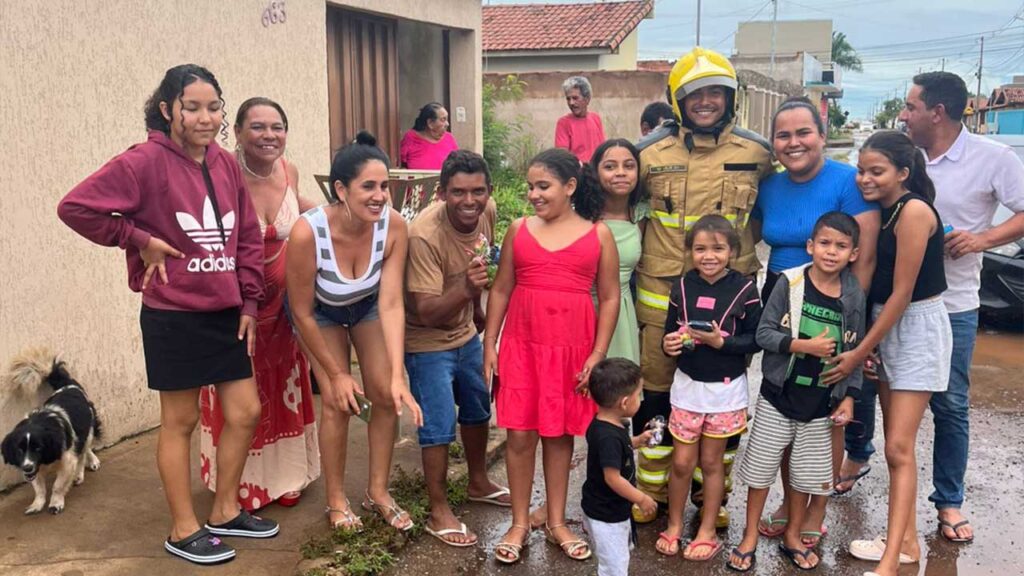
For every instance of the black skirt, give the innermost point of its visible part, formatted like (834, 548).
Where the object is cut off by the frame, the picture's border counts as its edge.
(186, 350)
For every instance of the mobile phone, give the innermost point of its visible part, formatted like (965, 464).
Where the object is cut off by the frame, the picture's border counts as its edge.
(701, 325)
(365, 407)
(947, 229)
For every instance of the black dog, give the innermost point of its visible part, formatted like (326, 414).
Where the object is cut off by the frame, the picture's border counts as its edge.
(59, 434)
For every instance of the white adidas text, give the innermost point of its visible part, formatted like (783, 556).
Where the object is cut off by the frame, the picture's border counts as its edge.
(211, 264)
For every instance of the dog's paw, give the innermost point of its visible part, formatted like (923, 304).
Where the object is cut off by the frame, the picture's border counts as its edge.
(56, 508)
(79, 479)
(35, 508)
(94, 465)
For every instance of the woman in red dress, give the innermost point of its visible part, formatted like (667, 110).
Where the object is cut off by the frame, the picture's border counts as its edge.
(284, 456)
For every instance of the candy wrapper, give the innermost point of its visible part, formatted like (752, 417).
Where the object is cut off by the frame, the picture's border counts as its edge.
(657, 427)
(488, 254)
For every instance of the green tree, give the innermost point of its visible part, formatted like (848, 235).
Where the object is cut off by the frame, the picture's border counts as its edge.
(843, 54)
(836, 117)
(886, 118)
(497, 133)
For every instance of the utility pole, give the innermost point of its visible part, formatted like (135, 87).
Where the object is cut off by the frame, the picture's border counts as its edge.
(698, 22)
(775, 15)
(943, 64)
(977, 97)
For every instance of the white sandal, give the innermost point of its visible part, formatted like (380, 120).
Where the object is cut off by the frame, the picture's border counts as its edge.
(461, 531)
(569, 547)
(349, 521)
(493, 498)
(397, 514)
(514, 551)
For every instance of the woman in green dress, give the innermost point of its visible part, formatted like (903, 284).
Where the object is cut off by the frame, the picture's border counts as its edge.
(616, 165)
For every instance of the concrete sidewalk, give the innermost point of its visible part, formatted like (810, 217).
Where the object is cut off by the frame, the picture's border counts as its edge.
(115, 523)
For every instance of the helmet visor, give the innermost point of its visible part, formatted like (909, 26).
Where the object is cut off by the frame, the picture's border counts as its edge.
(699, 83)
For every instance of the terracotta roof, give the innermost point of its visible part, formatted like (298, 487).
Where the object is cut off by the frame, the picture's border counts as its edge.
(655, 65)
(1007, 96)
(560, 26)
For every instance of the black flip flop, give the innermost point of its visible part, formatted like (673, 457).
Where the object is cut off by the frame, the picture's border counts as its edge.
(742, 556)
(792, 553)
(862, 472)
(201, 548)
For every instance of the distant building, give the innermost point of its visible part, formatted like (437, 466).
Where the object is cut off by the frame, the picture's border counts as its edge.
(521, 38)
(1004, 113)
(803, 56)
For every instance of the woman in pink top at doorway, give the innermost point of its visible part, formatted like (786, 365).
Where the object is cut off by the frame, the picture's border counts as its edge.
(426, 146)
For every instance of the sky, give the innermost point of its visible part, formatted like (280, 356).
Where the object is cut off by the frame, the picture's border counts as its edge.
(894, 38)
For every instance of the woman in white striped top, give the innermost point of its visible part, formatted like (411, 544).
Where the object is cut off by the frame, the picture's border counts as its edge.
(345, 270)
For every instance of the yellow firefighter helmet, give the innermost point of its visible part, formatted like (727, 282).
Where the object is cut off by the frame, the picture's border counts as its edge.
(697, 69)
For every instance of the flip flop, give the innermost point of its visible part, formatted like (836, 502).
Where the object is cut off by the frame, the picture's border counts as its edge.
(440, 535)
(817, 535)
(953, 527)
(864, 470)
(792, 553)
(742, 556)
(771, 532)
(671, 540)
(493, 498)
(716, 547)
(872, 550)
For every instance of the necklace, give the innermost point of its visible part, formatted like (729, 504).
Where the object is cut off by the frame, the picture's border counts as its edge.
(241, 160)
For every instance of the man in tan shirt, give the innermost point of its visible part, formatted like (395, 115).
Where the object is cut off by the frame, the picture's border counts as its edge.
(444, 279)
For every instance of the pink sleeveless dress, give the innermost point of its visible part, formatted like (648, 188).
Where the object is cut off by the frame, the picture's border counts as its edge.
(548, 335)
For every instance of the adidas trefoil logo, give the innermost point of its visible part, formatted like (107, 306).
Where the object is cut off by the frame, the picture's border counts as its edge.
(207, 235)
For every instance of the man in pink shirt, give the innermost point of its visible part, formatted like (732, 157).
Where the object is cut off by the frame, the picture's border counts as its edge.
(580, 131)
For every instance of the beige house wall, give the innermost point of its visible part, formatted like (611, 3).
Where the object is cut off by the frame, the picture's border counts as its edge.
(625, 57)
(73, 80)
(791, 36)
(540, 63)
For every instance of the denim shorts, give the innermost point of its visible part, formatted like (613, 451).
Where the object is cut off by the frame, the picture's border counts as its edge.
(325, 315)
(442, 380)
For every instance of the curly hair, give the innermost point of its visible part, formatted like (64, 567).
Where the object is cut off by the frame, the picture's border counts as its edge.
(171, 89)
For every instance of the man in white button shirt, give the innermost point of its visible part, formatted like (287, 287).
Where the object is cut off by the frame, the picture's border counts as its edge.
(972, 175)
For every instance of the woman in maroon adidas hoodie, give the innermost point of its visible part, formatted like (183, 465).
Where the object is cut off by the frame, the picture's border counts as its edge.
(177, 205)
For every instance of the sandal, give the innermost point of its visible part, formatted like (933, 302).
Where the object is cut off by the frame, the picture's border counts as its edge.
(956, 537)
(493, 498)
(792, 554)
(391, 513)
(742, 556)
(289, 499)
(766, 527)
(872, 551)
(349, 521)
(512, 551)
(569, 547)
(815, 535)
(716, 547)
(862, 472)
(671, 540)
(461, 531)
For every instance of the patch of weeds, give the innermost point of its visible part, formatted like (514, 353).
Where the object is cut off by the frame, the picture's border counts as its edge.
(372, 550)
(456, 451)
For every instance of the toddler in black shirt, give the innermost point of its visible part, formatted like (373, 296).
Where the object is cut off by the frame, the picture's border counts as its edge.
(610, 489)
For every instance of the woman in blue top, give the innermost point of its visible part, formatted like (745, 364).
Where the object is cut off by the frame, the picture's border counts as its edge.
(788, 204)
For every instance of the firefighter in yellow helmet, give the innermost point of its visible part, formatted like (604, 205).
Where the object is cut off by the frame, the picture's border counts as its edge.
(702, 163)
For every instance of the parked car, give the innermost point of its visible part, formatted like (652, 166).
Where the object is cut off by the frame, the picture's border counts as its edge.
(1002, 272)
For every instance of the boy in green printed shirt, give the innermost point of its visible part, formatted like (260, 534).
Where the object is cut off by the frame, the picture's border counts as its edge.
(813, 313)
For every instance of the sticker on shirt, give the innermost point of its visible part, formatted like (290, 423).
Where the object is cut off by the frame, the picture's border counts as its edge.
(706, 302)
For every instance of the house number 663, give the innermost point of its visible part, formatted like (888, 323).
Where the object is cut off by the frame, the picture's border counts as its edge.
(274, 13)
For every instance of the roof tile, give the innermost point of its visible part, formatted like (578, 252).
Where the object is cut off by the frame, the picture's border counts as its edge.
(560, 26)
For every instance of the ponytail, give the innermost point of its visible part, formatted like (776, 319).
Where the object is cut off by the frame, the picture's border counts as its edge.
(349, 161)
(898, 148)
(919, 180)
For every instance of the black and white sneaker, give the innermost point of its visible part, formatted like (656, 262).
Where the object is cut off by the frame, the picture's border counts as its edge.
(201, 548)
(247, 526)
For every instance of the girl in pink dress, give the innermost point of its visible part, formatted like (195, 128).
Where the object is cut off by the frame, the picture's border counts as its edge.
(551, 337)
